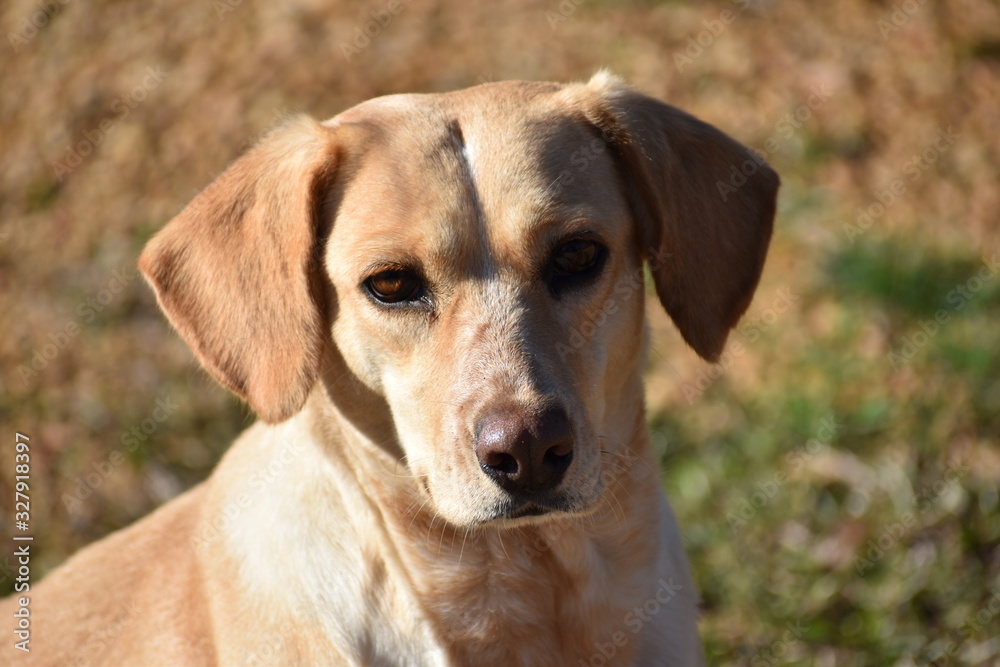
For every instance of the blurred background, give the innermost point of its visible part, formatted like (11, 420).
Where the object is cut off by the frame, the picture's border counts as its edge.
(835, 476)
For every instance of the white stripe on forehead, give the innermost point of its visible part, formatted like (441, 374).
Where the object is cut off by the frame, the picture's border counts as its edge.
(470, 154)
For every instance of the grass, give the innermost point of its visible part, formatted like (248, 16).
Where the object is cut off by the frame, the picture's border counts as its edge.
(836, 481)
(842, 494)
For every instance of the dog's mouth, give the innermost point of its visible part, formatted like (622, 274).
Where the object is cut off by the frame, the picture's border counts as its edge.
(486, 504)
(528, 509)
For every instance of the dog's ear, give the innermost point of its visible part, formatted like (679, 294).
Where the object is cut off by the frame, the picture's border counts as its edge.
(236, 270)
(705, 205)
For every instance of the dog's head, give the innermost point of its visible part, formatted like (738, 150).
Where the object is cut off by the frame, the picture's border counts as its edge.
(474, 260)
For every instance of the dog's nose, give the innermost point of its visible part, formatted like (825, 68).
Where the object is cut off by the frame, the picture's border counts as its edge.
(525, 452)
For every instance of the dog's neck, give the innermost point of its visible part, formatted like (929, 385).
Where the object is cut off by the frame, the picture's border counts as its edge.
(549, 580)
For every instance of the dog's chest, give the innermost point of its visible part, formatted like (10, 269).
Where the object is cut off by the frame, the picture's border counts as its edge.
(523, 599)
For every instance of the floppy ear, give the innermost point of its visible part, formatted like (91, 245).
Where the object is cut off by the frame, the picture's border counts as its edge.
(234, 270)
(705, 204)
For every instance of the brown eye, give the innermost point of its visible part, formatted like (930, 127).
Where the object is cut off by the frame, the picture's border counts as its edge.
(395, 285)
(575, 263)
(576, 257)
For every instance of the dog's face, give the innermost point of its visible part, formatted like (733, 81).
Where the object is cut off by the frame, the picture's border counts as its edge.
(482, 271)
(464, 275)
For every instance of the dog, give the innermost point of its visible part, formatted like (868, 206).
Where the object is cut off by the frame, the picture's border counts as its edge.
(435, 305)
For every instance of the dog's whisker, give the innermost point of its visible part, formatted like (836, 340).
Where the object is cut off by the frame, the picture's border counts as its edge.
(430, 524)
(465, 536)
(502, 546)
(444, 529)
(620, 514)
(416, 511)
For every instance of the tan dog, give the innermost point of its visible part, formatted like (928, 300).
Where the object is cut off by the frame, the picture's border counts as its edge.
(435, 305)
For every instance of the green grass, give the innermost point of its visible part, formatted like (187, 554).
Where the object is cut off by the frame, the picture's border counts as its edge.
(783, 518)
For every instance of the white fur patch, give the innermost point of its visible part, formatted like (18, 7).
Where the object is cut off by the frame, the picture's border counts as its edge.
(470, 155)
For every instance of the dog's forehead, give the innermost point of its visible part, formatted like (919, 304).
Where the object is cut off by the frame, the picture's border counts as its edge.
(504, 167)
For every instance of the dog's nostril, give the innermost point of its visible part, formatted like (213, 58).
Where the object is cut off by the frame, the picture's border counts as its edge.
(525, 452)
(558, 458)
(500, 462)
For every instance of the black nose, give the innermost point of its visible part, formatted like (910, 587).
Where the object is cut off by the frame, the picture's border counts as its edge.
(525, 452)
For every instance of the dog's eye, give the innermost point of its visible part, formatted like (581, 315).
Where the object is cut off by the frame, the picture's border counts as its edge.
(576, 261)
(575, 257)
(395, 285)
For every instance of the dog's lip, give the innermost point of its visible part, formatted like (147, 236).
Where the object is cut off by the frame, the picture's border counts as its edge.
(527, 509)
(518, 508)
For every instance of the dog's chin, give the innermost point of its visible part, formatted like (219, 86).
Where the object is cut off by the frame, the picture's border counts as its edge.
(517, 512)
(529, 514)
(511, 512)
(528, 510)
(490, 506)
